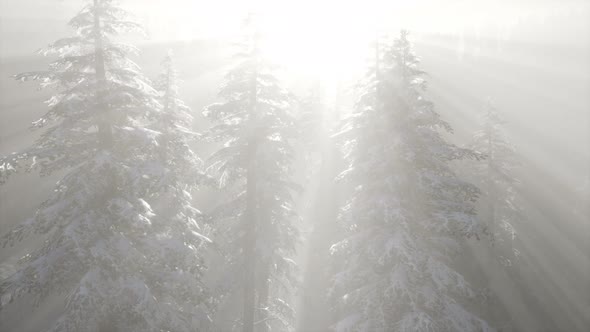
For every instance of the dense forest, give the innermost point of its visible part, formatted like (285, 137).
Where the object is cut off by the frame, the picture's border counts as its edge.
(249, 203)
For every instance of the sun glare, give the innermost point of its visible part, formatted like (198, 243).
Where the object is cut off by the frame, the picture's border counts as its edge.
(314, 39)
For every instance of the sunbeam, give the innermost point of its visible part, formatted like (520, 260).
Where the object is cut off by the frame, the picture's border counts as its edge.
(296, 166)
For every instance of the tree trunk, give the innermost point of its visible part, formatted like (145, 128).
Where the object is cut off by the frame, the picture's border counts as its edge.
(265, 235)
(263, 298)
(250, 241)
(105, 132)
(249, 305)
(104, 123)
(491, 185)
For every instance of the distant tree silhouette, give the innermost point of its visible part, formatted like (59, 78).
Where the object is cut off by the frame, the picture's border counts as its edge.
(496, 177)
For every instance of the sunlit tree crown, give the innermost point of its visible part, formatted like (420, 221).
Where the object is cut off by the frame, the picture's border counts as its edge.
(405, 211)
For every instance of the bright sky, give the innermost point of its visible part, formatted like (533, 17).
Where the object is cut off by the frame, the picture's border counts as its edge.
(325, 35)
(319, 36)
(194, 19)
(320, 24)
(310, 20)
(314, 36)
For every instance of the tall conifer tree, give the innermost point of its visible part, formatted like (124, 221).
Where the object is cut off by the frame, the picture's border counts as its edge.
(256, 226)
(104, 247)
(496, 177)
(406, 211)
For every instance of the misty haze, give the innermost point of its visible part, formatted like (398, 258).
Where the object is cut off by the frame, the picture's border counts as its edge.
(308, 166)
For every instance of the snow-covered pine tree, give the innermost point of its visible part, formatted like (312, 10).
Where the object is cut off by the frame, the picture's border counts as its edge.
(499, 184)
(102, 249)
(178, 221)
(256, 226)
(406, 210)
(500, 210)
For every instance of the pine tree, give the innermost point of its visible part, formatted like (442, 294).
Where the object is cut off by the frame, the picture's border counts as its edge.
(177, 218)
(496, 177)
(407, 209)
(256, 227)
(120, 267)
(500, 210)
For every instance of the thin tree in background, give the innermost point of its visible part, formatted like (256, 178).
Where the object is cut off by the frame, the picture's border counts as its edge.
(501, 210)
(177, 217)
(407, 209)
(104, 248)
(496, 177)
(256, 227)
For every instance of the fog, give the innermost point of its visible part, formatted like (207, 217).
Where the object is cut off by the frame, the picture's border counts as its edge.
(530, 58)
